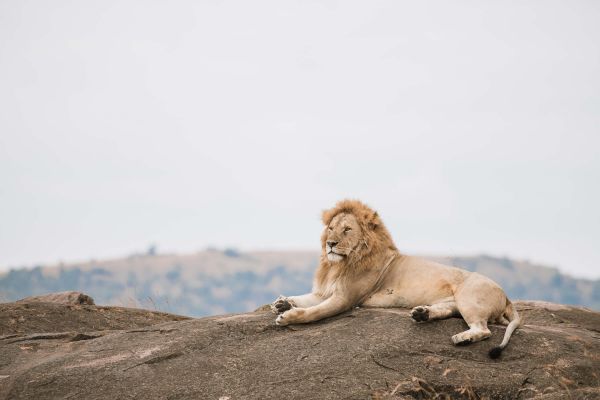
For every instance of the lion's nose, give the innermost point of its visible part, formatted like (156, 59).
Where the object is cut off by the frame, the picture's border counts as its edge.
(331, 243)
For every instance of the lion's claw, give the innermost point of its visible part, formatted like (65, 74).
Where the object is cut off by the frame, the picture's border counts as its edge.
(281, 305)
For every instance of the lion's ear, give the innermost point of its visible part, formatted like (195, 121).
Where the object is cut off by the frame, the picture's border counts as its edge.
(373, 221)
(327, 216)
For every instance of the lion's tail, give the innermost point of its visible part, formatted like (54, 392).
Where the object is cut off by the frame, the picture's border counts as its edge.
(514, 319)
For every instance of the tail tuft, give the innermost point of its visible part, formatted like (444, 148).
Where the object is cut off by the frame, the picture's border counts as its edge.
(511, 314)
(495, 352)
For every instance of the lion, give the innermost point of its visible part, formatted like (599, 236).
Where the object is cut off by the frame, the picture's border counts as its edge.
(361, 266)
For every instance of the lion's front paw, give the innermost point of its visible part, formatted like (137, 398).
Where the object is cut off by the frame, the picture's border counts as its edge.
(292, 316)
(281, 320)
(280, 305)
(420, 313)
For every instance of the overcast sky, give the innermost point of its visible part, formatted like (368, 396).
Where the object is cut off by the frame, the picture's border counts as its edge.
(473, 127)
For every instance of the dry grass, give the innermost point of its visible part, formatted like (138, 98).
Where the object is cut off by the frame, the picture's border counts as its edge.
(421, 389)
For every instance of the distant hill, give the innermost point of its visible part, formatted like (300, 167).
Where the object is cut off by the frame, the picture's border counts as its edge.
(215, 282)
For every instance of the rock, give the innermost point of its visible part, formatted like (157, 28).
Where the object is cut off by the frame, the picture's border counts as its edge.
(37, 317)
(105, 352)
(61, 298)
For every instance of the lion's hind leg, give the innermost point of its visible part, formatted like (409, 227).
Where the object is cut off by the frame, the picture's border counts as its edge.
(479, 300)
(445, 309)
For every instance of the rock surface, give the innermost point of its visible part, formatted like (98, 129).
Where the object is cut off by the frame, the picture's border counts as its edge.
(22, 318)
(69, 297)
(57, 351)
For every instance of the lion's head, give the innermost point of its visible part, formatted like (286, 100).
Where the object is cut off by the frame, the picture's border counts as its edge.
(353, 232)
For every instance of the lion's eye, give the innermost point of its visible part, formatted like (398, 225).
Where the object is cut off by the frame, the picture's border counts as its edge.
(347, 229)
(329, 228)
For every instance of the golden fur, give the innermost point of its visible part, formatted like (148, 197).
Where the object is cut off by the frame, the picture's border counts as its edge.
(361, 266)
